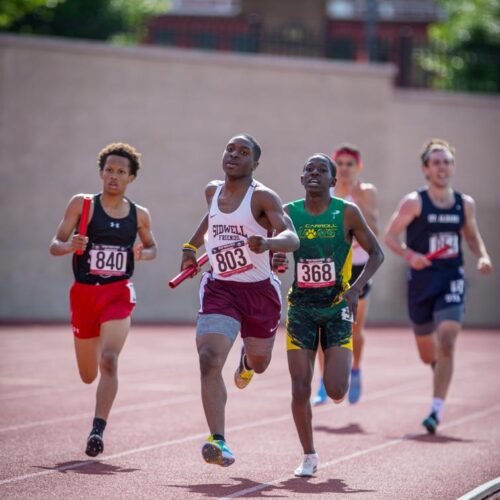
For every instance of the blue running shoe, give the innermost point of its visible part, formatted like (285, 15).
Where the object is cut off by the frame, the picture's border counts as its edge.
(431, 423)
(216, 452)
(355, 387)
(321, 396)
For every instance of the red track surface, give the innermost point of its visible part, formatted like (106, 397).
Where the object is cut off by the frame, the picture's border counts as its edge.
(373, 450)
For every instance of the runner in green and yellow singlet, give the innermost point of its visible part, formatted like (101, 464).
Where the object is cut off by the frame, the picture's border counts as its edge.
(322, 305)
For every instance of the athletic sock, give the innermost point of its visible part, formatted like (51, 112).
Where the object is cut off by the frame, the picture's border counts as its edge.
(355, 371)
(98, 426)
(437, 407)
(245, 364)
(218, 437)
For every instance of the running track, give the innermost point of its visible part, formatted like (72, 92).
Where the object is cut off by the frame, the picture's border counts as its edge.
(373, 450)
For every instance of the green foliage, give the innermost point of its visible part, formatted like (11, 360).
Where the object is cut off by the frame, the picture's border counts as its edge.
(466, 52)
(118, 20)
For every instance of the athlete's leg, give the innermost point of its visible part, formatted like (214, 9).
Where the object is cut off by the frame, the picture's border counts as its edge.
(301, 367)
(358, 338)
(258, 352)
(338, 362)
(113, 336)
(447, 332)
(213, 349)
(427, 348)
(87, 358)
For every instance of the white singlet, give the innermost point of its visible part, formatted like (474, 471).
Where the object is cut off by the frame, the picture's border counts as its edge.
(359, 256)
(225, 242)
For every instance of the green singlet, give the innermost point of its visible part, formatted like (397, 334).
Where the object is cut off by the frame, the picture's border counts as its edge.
(324, 259)
(316, 312)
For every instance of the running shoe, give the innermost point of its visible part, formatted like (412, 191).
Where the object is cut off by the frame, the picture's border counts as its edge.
(242, 376)
(95, 445)
(321, 396)
(308, 466)
(355, 387)
(431, 423)
(216, 452)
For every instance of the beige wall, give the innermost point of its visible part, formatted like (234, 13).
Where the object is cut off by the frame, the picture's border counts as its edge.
(61, 102)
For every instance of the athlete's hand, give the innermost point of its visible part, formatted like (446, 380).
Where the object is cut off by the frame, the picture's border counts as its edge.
(351, 296)
(189, 260)
(484, 265)
(417, 260)
(280, 262)
(78, 242)
(138, 248)
(258, 244)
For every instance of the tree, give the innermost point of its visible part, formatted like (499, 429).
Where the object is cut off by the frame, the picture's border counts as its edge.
(119, 20)
(466, 54)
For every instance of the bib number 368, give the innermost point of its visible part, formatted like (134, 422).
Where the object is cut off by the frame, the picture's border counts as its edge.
(315, 273)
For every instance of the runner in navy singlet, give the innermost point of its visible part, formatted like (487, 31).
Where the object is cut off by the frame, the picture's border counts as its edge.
(436, 217)
(245, 220)
(102, 297)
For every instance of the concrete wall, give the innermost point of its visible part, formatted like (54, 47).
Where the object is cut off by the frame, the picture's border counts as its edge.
(61, 102)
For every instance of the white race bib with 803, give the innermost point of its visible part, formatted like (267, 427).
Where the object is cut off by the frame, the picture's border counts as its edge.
(233, 258)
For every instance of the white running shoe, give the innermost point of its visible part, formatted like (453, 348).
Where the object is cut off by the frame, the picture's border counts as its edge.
(308, 466)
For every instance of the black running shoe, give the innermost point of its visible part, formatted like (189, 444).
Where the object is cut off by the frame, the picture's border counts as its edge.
(431, 423)
(95, 445)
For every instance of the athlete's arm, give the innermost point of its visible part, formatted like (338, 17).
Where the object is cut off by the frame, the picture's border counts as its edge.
(473, 237)
(355, 223)
(197, 239)
(147, 248)
(409, 208)
(285, 238)
(60, 244)
(369, 207)
(280, 259)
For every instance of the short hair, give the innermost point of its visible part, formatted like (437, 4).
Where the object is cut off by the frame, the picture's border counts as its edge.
(435, 145)
(331, 164)
(257, 150)
(123, 150)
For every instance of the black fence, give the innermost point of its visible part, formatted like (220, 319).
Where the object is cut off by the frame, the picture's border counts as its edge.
(419, 64)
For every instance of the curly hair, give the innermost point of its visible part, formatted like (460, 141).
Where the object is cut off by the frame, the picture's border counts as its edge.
(435, 145)
(123, 150)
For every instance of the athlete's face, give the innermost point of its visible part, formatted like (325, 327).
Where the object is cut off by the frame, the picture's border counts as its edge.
(238, 158)
(316, 176)
(116, 174)
(347, 169)
(440, 168)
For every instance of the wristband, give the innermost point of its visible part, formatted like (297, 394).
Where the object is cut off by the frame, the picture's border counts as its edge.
(188, 246)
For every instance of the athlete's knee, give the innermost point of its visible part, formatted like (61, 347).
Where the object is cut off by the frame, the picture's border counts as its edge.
(337, 390)
(109, 362)
(88, 377)
(301, 390)
(258, 364)
(446, 345)
(209, 361)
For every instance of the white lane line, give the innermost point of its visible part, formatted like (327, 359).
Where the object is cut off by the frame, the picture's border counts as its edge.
(483, 491)
(258, 423)
(366, 451)
(124, 409)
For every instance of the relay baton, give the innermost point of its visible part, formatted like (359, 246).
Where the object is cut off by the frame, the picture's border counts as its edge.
(437, 253)
(188, 272)
(84, 219)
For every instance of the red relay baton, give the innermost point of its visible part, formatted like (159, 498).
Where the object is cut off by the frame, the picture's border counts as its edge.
(437, 253)
(188, 272)
(84, 219)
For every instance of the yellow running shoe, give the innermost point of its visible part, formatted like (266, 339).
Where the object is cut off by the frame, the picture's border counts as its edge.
(216, 452)
(242, 376)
